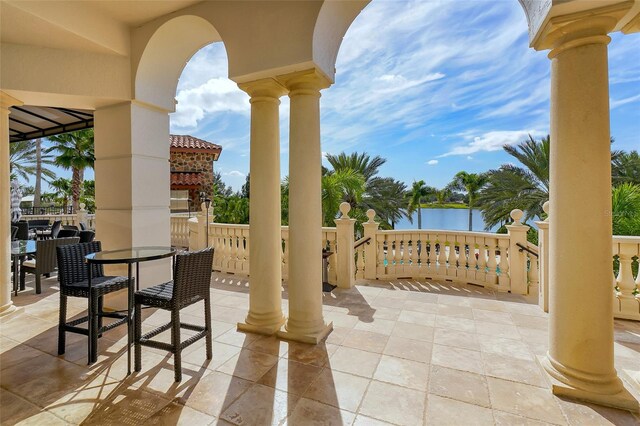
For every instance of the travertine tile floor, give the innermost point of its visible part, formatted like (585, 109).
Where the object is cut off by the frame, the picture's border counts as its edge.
(404, 353)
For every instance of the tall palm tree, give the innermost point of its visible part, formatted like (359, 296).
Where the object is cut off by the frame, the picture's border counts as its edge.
(419, 190)
(75, 152)
(386, 197)
(61, 192)
(23, 161)
(513, 187)
(361, 163)
(471, 184)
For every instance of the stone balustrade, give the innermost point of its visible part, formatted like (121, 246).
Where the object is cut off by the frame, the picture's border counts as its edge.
(179, 230)
(626, 284)
(66, 219)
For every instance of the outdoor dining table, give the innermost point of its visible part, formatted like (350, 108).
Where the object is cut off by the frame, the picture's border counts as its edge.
(19, 250)
(129, 256)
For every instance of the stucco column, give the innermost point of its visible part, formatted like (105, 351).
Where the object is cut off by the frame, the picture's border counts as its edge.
(305, 322)
(580, 356)
(132, 184)
(6, 305)
(265, 251)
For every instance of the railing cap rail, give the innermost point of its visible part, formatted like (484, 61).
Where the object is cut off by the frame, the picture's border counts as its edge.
(444, 232)
(626, 239)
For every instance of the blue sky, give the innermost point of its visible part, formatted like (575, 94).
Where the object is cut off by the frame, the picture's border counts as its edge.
(433, 86)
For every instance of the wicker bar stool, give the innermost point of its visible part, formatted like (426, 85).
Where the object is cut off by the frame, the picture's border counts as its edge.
(45, 261)
(74, 282)
(190, 284)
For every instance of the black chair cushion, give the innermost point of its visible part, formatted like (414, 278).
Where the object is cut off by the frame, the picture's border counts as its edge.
(100, 285)
(160, 293)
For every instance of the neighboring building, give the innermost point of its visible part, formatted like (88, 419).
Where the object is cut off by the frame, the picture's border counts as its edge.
(191, 162)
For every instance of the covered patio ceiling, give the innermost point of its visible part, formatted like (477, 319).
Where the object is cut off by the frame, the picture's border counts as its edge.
(32, 122)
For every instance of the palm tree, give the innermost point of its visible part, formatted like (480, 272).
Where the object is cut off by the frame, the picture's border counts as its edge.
(23, 161)
(61, 192)
(386, 197)
(471, 184)
(335, 185)
(626, 209)
(418, 191)
(442, 195)
(75, 152)
(361, 163)
(625, 167)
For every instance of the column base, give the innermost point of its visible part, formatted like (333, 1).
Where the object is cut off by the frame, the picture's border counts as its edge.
(312, 338)
(264, 329)
(9, 309)
(562, 386)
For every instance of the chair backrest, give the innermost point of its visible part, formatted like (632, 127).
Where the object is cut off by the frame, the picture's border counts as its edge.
(68, 233)
(87, 236)
(46, 253)
(23, 230)
(14, 232)
(71, 263)
(55, 228)
(38, 222)
(192, 276)
(83, 226)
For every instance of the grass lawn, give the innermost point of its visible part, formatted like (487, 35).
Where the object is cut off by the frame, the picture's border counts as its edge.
(444, 206)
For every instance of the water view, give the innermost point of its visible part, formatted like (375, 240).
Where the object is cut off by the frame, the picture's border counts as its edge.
(448, 219)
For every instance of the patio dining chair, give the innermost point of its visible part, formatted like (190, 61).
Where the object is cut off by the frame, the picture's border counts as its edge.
(23, 230)
(73, 277)
(87, 236)
(190, 284)
(14, 232)
(45, 260)
(67, 233)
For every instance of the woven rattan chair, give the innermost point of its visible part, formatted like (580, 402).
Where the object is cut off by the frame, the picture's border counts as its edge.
(23, 230)
(73, 277)
(191, 281)
(87, 236)
(55, 228)
(45, 261)
(14, 232)
(67, 233)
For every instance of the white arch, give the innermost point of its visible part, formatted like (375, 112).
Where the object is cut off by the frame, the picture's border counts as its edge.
(165, 56)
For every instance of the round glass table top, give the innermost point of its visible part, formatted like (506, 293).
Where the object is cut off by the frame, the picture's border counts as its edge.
(23, 247)
(131, 255)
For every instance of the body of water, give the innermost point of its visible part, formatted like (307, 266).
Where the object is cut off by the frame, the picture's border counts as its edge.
(447, 219)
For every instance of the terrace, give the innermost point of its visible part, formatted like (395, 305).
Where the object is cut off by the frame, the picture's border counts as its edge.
(402, 352)
(429, 326)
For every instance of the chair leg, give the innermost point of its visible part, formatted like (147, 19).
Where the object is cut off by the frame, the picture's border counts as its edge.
(62, 322)
(207, 319)
(136, 338)
(100, 312)
(175, 342)
(95, 330)
(38, 283)
(89, 328)
(22, 276)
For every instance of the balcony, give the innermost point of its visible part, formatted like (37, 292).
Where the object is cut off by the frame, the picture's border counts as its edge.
(402, 352)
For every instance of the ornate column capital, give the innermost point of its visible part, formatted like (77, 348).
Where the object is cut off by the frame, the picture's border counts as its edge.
(307, 82)
(265, 89)
(7, 101)
(579, 28)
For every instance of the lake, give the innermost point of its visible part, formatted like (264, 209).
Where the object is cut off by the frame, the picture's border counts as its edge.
(447, 219)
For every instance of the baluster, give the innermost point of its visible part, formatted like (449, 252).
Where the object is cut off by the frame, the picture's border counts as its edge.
(492, 277)
(415, 257)
(246, 267)
(481, 272)
(404, 255)
(333, 273)
(504, 280)
(452, 258)
(472, 261)
(360, 262)
(624, 280)
(381, 266)
(431, 255)
(285, 254)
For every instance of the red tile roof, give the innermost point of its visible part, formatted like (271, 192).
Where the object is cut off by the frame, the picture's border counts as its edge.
(188, 142)
(186, 178)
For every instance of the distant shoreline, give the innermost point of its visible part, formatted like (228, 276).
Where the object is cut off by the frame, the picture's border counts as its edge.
(444, 206)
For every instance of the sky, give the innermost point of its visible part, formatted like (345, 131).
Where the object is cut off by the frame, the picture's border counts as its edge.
(434, 87)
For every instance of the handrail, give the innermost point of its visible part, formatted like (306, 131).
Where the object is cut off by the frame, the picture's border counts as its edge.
(527, 249)
(361, 242)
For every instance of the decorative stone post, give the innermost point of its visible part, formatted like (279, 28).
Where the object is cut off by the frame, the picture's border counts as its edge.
(517, 256)
(543, 259)
(81, 215)
(370, 249)
(305, 322)
(6, 305)
(346, 254)
(265, 279)
(580, 356)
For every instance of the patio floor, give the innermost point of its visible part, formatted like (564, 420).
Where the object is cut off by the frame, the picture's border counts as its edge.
(404, 353)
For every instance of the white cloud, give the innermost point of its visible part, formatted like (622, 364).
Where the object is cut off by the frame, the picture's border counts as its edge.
(469, 157)
(236, 173)
(624, 101)
(432, 162)
(215, 96)
(491, 141)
